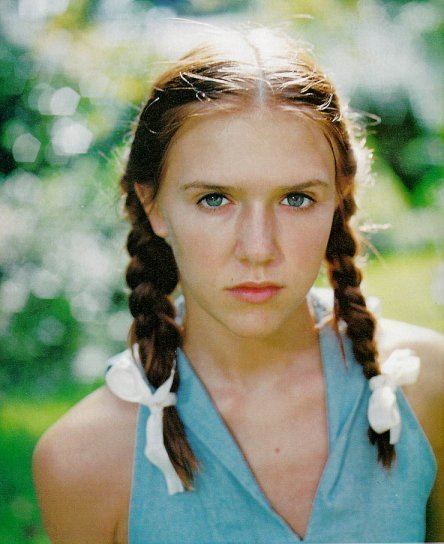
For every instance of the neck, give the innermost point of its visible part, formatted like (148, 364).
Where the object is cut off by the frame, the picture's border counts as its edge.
(225, 360)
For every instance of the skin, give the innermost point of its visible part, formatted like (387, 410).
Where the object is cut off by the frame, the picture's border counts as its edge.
(82, 464)
(252, 233)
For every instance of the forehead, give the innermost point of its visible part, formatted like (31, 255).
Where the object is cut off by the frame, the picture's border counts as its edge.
(250, 146)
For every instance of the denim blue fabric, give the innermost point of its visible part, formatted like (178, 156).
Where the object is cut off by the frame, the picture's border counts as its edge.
(356, 499)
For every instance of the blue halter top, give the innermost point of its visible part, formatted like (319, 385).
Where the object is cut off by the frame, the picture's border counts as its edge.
(356, 499)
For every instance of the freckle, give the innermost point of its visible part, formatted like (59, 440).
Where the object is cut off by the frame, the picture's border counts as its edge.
(277, 450)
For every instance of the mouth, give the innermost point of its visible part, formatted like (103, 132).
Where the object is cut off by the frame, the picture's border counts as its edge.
(256, 285)
(255, 292)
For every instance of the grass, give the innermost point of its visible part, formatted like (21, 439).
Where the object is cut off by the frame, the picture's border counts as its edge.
(402, 283)
(22, 421)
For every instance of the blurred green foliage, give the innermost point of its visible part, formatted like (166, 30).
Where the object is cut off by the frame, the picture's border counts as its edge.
(72, 77)
(22, 421)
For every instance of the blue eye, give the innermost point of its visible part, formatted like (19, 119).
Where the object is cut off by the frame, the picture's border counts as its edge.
(298, 198)
(211, 197)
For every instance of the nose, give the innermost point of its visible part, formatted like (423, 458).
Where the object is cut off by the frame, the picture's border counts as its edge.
(256, 231)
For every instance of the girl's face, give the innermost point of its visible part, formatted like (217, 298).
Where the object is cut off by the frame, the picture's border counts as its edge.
(246, 196)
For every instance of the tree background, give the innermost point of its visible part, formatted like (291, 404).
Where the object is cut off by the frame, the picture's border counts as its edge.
(73, 75)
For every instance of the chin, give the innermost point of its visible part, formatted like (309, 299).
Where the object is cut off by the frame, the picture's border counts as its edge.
(254, 324)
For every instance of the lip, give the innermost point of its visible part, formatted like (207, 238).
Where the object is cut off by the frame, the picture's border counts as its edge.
(256, 285)
(255, 292)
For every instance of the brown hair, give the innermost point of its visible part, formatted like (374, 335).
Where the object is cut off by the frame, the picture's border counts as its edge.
(258, 66)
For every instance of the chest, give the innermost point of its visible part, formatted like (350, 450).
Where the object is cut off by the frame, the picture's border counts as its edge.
(284, 439)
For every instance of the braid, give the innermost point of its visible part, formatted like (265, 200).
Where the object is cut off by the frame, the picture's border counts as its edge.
(152, 275)
(350, 306)
(209, 79)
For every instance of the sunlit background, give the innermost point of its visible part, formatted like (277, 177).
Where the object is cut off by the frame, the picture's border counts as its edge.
(73, 75)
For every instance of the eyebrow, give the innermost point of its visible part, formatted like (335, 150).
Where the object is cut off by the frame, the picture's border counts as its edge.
(216, 187)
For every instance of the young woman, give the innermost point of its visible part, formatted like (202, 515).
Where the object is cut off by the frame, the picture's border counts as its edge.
(250, 405)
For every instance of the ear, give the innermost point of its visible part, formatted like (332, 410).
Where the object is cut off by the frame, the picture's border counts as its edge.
(152, 209)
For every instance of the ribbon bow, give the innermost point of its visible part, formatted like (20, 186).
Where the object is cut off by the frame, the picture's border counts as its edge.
(400, 368)
(126, 380)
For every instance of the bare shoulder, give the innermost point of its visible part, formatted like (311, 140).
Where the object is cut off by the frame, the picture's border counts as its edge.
(426, 394)
(426, 398)
(427, 343)
(82, 469)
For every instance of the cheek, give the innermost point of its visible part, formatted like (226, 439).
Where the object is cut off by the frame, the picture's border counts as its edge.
(198, 251)
(306, 240)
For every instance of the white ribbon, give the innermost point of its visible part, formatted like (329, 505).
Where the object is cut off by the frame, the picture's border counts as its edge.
(125, 380)
(401, 368)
